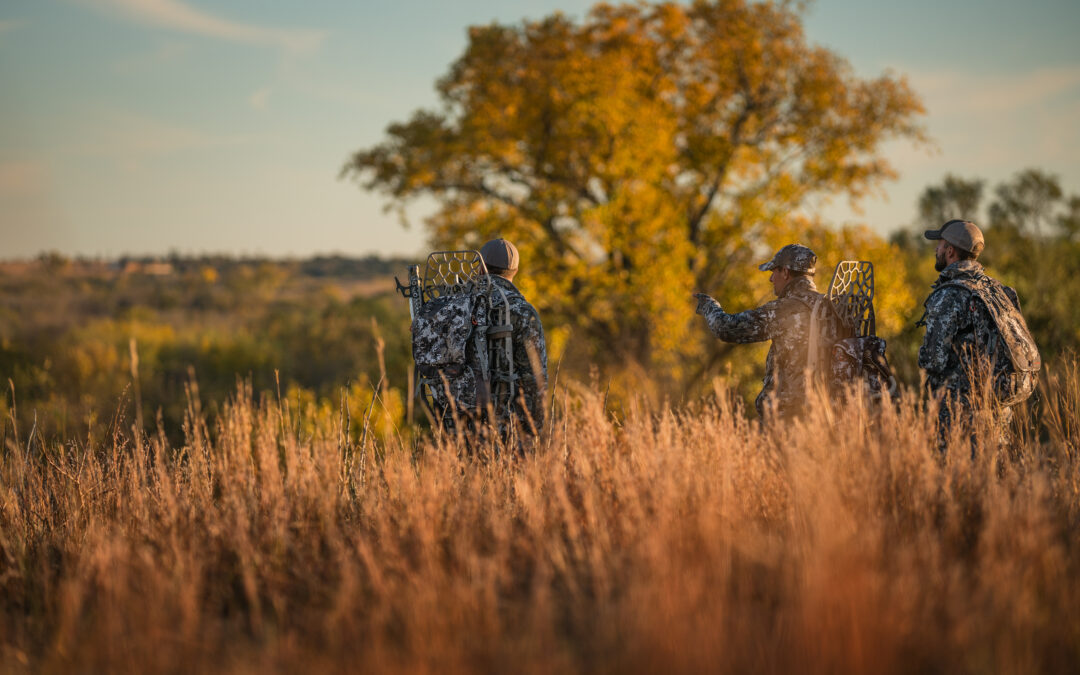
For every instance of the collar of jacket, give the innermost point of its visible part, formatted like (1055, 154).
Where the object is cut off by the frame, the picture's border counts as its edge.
(960, 269)
(501, 281)
(798, 286)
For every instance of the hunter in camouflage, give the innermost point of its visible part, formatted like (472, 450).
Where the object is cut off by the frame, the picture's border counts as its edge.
(974, 328)
(530, 351)
(442, 349)
(785, 321)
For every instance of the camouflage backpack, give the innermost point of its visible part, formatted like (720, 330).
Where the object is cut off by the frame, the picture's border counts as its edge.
(843, 348)
(1015, 359)
(461, 338)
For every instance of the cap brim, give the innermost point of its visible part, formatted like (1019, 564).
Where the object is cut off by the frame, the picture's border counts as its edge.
(932, 234)
(766, 267)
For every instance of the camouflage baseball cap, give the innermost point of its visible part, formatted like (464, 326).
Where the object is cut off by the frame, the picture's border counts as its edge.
(962, 234)
(500, 253)
(795, 257)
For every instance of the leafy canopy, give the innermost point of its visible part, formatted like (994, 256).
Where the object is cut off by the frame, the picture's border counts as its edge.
(637, 156)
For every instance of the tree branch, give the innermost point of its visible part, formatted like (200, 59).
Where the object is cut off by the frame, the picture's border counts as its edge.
(696, 217)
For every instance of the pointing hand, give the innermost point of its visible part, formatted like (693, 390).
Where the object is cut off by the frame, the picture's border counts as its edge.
(704, 302)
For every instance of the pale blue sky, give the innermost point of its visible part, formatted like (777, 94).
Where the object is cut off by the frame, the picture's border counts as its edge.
(144, 126)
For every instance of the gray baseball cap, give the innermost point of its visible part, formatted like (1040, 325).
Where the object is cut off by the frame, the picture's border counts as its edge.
(795, 257)
(962, 234)
(500, 253)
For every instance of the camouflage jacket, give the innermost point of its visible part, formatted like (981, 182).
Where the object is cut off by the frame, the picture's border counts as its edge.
(959, 331)
(530, 351)
(785, 321)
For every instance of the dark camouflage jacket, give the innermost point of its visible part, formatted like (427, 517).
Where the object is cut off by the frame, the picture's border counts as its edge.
(529, 345)
(961, 330)
(785, 321)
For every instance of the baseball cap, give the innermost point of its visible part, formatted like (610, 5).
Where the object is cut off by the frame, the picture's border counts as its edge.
(962, 234)
(795, 257)
(500, 253)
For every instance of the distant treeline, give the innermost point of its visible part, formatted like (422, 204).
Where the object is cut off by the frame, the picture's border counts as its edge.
(77, 335)
(335, 265)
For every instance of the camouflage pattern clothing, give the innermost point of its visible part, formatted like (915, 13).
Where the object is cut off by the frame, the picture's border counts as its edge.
(960, 332)
(862, 360)
(530, 355)
(785, 321)
(444, 351)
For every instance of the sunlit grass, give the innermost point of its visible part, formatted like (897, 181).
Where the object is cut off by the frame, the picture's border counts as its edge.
(655, 540)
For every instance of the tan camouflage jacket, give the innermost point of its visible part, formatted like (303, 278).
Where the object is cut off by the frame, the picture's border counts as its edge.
(785, 321)
(528, 339)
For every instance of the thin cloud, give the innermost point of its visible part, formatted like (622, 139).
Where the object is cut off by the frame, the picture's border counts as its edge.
(984, 124)
(171, 52)
(180, 16)
(1001, 121)
(954, 92)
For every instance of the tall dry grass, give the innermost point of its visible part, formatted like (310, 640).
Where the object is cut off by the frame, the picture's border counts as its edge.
(664, 540)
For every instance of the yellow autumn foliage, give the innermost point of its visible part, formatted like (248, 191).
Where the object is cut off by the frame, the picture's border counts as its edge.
(640, 155)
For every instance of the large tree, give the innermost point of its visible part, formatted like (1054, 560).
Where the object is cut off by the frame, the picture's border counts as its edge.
(638, 155)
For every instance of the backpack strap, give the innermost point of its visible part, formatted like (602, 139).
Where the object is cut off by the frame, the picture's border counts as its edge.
(813, 348)
(817, 306)
(502, 380)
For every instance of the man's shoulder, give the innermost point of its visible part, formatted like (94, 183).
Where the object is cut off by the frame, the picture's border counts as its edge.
(519, 305)
(506, 287)
(961, 280)
(786, 305)
(802, 298)
(782, 313)
(948, 295)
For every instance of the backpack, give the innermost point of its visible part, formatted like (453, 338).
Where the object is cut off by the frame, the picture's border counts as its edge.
(461, 339)
(843, 349)
(1015, 379)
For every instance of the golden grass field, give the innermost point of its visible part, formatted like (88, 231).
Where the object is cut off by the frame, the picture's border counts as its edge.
(658, 539)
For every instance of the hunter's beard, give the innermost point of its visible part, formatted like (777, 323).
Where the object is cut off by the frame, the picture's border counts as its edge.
(939, 261)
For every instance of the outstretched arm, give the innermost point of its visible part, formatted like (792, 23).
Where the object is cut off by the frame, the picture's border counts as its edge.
(753, 325)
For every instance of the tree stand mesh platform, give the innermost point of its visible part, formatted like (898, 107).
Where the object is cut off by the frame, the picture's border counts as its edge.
(452, 272)
(852, 295)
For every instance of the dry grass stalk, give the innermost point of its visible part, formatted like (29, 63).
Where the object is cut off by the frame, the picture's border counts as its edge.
(675, 540)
